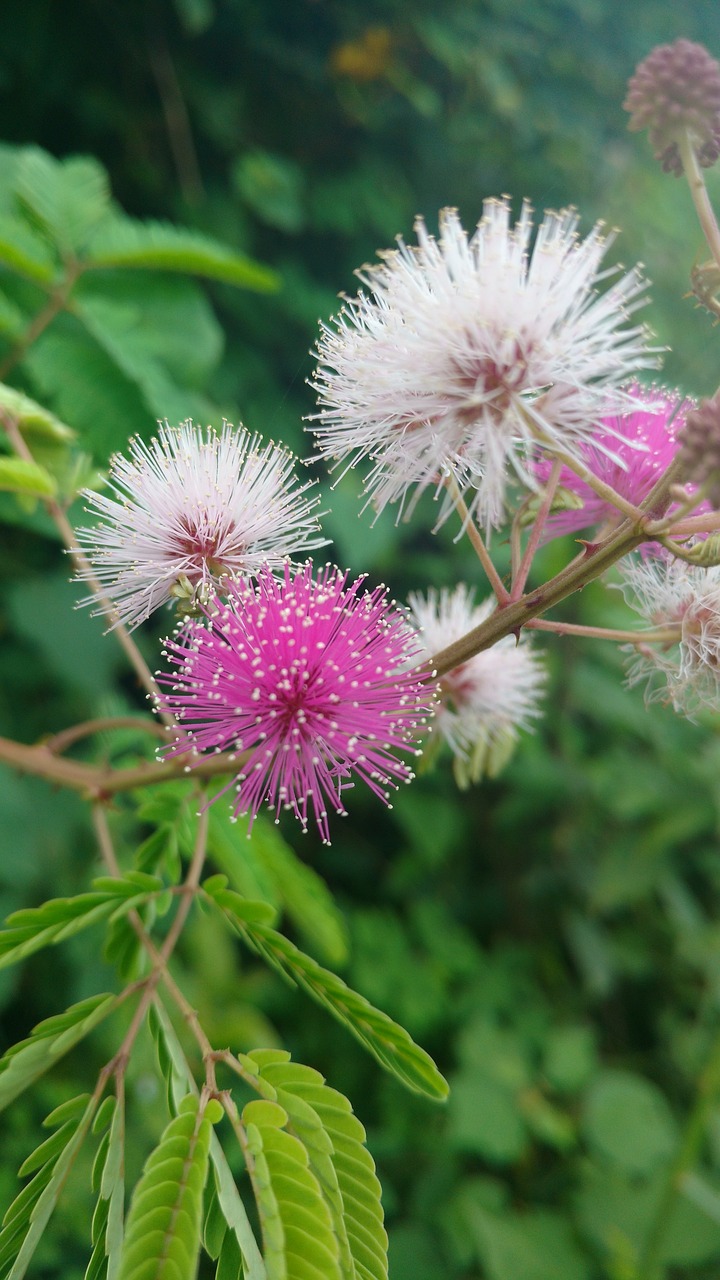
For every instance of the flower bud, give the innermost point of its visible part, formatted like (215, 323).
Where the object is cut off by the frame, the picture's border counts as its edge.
(699, 452)
(677, 88)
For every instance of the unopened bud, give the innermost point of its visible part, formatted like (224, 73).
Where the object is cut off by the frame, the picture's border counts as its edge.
(699, 451)
(676, 89)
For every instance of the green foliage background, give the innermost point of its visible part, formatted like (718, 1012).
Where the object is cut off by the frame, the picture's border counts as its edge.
(553, 936)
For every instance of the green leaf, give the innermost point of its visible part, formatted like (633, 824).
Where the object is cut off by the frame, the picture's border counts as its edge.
(17, 475)
(229, 1266)
(159, 246)
(628, 1121)
(32, 418)
(163, 1229)
(29, 930)
(26, 1061)
(108, 1225)
(25, 252)
(272, 186)
(12, 320)
(179, 1078)
(117, 329)
(334, 1139)
(169, 316)
(388, 1042)
(85, 387)
(68, 198)
(298, 1236)
(266, 866)
(30, 1212)
(241, 909)
(534, 1246)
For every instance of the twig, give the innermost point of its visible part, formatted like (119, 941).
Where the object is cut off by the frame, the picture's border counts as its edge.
(476, 540)
(660, 635)
(60, 742)
(698, 191)
(520, 577)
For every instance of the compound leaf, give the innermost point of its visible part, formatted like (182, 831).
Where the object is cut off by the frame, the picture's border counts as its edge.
(163, 1230)
(30, 1212)
(388, 1042)
(26, 1061)
(299, 1240)
(159, 246)
(31, 929)
(334, 1139)
(178, 1078)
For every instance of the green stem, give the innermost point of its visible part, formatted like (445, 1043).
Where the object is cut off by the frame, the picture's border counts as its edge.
(477, 542)
(698, 191)
(100, 782)
(521, 576)
(597, 558)
(708, 1088)
(658, 635)
(45, 316)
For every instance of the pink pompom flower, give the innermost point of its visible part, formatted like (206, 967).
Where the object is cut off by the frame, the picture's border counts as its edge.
(629, 452)
(308, 676)
(191, 509)
(469, 351)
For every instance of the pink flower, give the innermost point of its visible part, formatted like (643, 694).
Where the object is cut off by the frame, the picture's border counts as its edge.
(192, 508)
(627, 451)
(309, 677)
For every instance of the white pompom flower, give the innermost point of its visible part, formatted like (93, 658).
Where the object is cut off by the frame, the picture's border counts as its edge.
(685, 600)
(190, 508)
(470, 351)
(486, 701)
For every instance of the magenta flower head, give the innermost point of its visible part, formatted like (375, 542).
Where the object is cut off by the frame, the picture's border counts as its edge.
(469, 350)
(675, 91)
(308, 678)
(627, 451)
(191, 509)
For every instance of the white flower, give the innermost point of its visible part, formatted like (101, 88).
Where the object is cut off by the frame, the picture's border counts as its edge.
(486, 700)
(684, 598)
(190, 508)
(468, 352)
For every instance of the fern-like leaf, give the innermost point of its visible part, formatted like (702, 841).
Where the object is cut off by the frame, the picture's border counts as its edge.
(299, 1240)
(30, 1212)
(18, 475)
(334, 1138)
(26, 1061)
(32, 418)
(67, 198)
(107, 1225)
(392, 1046)
(31, 929)
(266, 866)
(163, 1230)
(178, 1079)
(159, 246)
(24, 252)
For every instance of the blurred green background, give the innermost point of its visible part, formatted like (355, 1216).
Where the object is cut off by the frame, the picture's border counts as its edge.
(552, 936)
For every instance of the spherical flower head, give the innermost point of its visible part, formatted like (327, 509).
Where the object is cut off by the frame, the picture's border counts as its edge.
(486, 701)
(699, 451)
(675, 91)
(192, 509)
(629, 452)
(308, 676)
(686, 598)
(468, 350)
